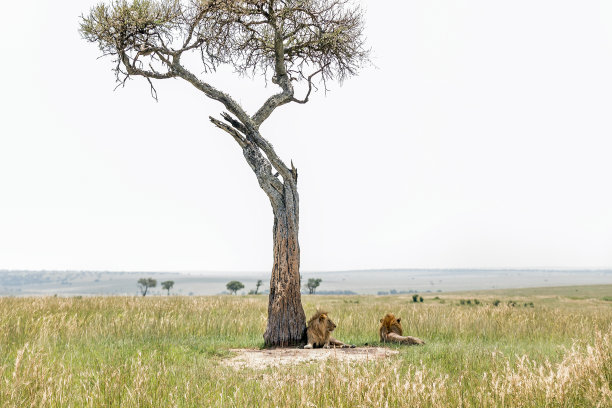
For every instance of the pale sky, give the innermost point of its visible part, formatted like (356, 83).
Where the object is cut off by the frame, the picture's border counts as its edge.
(482, 138)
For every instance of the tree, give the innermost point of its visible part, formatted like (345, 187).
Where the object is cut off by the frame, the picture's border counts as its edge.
(234, 286)
(257, 285)
(313, 284)
(145, 283)
(291, 43)
(167, 285)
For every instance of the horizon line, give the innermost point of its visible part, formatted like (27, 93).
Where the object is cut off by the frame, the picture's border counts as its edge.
(548, 268)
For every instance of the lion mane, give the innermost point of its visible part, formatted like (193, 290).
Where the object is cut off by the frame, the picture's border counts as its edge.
(391, 331)
(318, 332)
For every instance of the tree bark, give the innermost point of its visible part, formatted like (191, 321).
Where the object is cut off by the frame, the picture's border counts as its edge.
(286, 318)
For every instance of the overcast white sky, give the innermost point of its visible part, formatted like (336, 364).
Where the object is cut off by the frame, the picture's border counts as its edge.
(482, 139)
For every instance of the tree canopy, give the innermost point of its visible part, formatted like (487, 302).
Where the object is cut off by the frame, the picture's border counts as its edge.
(167, 285)
(285, 40)
(146, 283)
(313, 284)
(234, 286)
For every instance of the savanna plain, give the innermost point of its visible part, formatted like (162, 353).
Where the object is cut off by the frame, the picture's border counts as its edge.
(547, 347)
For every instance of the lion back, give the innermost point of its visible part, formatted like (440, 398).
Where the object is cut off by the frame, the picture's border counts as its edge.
(389, 324)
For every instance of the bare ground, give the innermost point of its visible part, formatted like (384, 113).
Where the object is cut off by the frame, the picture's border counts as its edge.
(260, 359)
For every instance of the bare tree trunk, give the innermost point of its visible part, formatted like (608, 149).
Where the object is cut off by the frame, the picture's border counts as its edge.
(286, 318)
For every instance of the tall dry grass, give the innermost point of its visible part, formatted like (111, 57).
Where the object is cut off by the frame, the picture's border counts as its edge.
(123, 351)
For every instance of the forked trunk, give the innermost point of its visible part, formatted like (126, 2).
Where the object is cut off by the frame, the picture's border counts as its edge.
(286, 318)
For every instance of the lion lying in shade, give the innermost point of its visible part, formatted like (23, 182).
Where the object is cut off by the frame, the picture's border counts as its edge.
(391, 330)
(319, 330)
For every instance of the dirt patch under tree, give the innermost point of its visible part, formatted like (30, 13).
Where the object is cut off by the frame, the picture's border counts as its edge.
(259, 359)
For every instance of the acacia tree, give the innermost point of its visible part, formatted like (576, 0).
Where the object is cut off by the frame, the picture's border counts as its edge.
(145, 283)
(301, 43)
(257, 285)
(313, 284)
(234, 286)
(167, 285)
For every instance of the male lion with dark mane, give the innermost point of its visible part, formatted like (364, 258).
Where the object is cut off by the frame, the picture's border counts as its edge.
(319, 330)
(391, 330)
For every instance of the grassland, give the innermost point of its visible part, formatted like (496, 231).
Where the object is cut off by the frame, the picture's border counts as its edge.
(169, 351)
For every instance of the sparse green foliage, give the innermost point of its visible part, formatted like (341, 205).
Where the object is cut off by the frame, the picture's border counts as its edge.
(121, 25)
(415, 298)
(234, 286)
(145, 283)
(167, 285)
(148, 37)
(496, 302)
(313, 284)
(421, 299)
(469, 302)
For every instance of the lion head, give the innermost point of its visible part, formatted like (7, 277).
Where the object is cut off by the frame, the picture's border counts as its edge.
(390, 324)
(319, 328)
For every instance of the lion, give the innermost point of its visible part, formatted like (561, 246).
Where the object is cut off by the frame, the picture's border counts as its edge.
(391, 330)
(319, 331)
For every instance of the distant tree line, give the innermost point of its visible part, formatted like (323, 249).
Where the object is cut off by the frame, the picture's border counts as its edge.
(145, 283)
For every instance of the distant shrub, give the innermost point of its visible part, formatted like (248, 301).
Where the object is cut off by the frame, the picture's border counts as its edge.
(415, 298)
(462, 302)
(476, 301)
(421, 299)
(436, 298)
(496, 302)
(234, 286)
(607, 298)
(511, 303)
(529, 304)
(469, 302)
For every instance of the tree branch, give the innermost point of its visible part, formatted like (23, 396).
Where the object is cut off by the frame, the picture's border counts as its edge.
(258, 163)
(280, 78)
(255, 137)
(212, 92)
(287, 38)
(309, 79)
(233, 132)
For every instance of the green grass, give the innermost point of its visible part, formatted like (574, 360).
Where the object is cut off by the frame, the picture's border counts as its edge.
(169, 351)
(581, 292)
